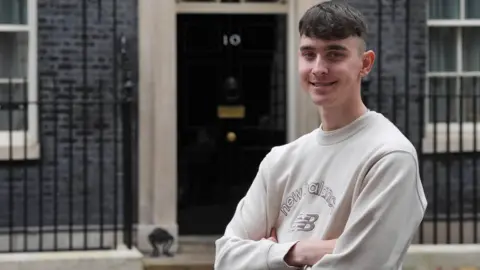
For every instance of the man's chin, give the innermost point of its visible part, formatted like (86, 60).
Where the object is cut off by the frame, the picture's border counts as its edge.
(320, 100)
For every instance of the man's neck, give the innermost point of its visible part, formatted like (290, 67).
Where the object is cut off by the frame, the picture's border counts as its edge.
(337, 117)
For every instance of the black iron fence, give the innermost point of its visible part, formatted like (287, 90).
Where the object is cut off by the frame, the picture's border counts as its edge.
(67, 161)
(67, 138)
(440, 116)
(443, 122)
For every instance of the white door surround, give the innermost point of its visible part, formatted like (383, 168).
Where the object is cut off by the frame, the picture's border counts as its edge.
(157, 98)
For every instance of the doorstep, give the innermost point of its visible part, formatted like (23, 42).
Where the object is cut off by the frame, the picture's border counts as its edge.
(194, 253)
(180, 262)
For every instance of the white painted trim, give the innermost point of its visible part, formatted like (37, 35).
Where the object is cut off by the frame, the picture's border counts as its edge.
(33, 118)
(459, 51)
(449, 141)
(232, 8)
(18, 149)
(462, 9)
(14, 138)
(459, 66)
(120, 259)
(164, 65)
(437, 139)
(14, 28)
(442, 257)
(453, 74)
(13, 81)
(157, 31)
(292, 80)
(467, 127)
(28, 152)
(453, 23)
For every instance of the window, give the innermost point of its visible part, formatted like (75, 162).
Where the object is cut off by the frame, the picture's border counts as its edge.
(18, 75)
(453, 88)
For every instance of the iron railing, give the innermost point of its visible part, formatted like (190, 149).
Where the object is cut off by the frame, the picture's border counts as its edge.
(67, 138)
(443, 122)
(75, 192)
(69, 184)
(440, 119)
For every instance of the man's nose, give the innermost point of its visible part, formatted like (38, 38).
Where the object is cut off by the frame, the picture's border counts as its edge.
(319, 67)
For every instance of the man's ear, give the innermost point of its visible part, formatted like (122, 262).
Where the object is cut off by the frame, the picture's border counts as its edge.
(367, 63)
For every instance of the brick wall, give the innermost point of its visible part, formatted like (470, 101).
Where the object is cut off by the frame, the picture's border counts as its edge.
(60, 61)
(391, 72)
(407, 81)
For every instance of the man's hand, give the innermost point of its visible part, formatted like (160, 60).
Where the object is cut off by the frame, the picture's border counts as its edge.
(273, 236)
(308, 252)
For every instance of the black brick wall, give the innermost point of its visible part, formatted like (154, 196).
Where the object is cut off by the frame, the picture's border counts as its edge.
(398, 75)
(395, 91)
(60, 61)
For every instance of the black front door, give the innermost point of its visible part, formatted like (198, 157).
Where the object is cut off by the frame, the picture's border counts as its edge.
(231, 111)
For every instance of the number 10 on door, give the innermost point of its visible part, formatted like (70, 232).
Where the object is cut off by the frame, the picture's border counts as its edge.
(233, 40)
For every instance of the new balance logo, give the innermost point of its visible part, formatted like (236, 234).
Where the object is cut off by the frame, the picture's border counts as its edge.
(313, 189)
(304, 222)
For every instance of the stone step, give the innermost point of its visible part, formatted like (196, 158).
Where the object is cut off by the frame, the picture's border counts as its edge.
(180, 262)
(163, 267)
(197, 244)
(194, 253)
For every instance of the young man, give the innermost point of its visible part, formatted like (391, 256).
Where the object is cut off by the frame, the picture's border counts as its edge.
(347, 195)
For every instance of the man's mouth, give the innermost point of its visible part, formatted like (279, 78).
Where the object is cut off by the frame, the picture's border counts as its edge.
(322, 84)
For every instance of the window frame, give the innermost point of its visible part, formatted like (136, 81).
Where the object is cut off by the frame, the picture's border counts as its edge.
(22, 145)
(441, 136)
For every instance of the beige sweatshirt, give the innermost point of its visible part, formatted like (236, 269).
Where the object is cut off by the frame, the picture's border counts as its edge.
(359, 184)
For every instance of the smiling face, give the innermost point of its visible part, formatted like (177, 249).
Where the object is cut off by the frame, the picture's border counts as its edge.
(332, 57)
(331, 70)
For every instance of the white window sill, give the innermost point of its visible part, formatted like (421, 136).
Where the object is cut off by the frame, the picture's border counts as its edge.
(445, 144)
(20, 152)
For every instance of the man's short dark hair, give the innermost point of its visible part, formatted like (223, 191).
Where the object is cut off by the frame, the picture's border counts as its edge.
(333, 20)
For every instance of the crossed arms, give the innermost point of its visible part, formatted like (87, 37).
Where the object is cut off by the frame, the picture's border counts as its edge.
(384, 217)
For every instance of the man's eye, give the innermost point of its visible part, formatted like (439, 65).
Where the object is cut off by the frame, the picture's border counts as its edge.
(309, 55)
(334, 55)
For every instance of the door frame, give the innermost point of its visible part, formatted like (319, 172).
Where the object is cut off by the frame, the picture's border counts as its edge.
(232, 8)
(158, 111)
(288, 8)
(253, 9)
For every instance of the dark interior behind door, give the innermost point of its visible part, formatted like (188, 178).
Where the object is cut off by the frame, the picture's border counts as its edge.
(231, 111)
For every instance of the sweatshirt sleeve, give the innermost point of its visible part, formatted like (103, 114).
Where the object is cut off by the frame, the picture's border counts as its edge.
(384, 217)
(241, 247)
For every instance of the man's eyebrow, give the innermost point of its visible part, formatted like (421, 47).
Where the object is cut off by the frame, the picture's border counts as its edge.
(333, 47)
(307, 48)
(336, 47)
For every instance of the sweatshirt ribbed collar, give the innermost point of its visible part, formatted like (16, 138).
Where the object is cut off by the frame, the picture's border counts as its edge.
(341, 134)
